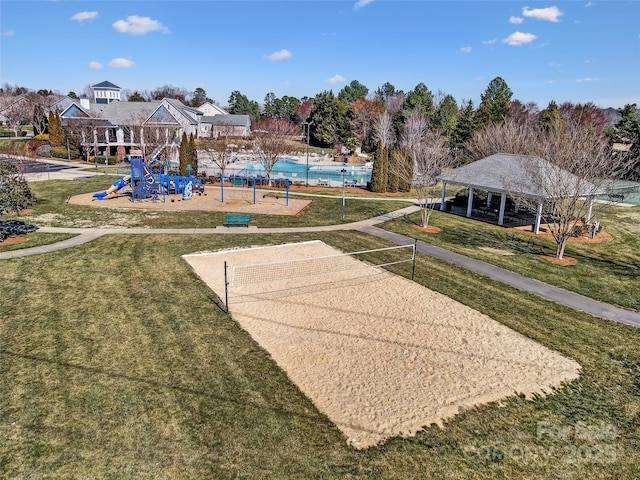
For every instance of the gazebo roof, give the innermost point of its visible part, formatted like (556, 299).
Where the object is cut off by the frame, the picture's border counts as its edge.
(513, 174)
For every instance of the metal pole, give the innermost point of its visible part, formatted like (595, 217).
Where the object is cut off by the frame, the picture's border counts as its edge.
(226, 288)
(413, 267)
(343, 188)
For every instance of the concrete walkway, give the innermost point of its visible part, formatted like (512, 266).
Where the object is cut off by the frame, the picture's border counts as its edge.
(549, 292)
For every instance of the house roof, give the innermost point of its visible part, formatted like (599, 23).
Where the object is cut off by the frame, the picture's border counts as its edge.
(524, 175)
(124, 113)
(235, 120)
(106, 84)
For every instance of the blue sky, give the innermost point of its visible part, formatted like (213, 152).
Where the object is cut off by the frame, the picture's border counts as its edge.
(575, 51)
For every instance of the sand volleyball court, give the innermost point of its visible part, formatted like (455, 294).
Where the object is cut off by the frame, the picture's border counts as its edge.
(380, 355)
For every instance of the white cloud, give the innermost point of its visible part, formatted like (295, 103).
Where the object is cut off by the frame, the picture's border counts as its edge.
(336, 79)
(516, 20)
(361, 3)
(587, 60)
(8, 33)
(493, 41)
(82, 16)
(135, 25)
(95, 65)
(518, 38)
(121, 63)
(587, 79)
(589, 4)
(279, 55)
(466, 49)
(551, 14)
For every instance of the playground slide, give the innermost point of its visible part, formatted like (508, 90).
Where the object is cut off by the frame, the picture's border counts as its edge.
(117, 185)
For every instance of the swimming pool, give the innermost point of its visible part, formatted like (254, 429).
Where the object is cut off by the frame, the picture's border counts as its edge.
(330, 174)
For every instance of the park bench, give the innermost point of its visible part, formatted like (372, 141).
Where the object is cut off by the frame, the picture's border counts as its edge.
(237, 220)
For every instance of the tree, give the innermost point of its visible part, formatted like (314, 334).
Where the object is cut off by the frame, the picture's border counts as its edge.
(495, 101)
(302, 111)
(464, 131)
(385, 138)
(239, 104)
(627, 133)
(364, 114)
(550, 117)
(15, 194)
(218, 150)
(136, 97)
(331, 120)
(420, 99)
(73, 95)
(184, 155)
(56, 133)
(272, 140)
(199, 97)
(568, 165)
(446, 116)
(19, 113)
(169, 91)
(352, 92)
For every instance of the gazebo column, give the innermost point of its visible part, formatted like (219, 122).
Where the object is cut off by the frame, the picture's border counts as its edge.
(470, 202)
(589, 211)
(536, 226)
(489, 197)
(503, 203)
(444, 189)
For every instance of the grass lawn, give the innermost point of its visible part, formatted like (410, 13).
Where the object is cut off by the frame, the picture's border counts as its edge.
(51, 210)
(609, 272)
(116, 361)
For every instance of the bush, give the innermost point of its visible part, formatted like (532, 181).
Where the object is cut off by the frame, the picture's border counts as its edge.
(34, 148)
(59, 152)
(113, 160)
(44, 137)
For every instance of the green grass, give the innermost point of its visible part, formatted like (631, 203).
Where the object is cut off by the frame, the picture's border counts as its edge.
(36, 240)
(117, 361)
(609, 272)
(51, 209)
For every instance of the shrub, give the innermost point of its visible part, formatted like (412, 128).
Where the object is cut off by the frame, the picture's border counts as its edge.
(113, 160)
(42, 137)
(59, 152)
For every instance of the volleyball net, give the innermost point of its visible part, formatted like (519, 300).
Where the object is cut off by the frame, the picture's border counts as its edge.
(299, 268)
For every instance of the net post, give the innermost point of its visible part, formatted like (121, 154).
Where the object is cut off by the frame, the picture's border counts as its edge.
(226, 288)
(413, 259)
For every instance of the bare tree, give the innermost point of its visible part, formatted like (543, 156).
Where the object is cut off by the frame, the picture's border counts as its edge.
(383, 127)
(218, 150)
(19, 113)
(272, 141)
(567, 166)
(427, 154)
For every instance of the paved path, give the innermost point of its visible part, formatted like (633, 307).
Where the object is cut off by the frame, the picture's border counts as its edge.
(555, 294)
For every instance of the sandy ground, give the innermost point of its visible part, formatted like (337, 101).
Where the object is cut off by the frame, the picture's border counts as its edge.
(380, 355)
(235, 200)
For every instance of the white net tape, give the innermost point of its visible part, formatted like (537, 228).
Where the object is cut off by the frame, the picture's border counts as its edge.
(308, 267)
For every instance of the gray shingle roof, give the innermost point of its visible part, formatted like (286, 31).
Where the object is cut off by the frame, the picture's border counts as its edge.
(106, 84)
(124, 113)
(518, 175)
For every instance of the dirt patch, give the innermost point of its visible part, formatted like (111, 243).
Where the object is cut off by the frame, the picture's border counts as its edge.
(565, 261)
(601, 237)
(12, 241)
(239, 200)
(428, 229)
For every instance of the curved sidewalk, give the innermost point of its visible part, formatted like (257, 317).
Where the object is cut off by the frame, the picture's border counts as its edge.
(543, 290)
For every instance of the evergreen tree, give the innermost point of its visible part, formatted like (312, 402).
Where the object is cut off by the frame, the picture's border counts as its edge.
(379, 171)
(352, 92)
(420, 99)
(193, 155)
(331, 120)
(495, 101)
(56, 133)
(15, 194)
(404, 184)
(393, 181)
(464, 131)
(446, 117)
(550, 117)
(184, 154)
(627, 132)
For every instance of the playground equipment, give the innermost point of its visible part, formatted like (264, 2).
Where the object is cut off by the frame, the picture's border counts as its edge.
(148, 182)
(117, 185)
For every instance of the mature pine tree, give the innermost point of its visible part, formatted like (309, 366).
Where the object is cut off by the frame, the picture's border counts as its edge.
(550, 117)
(420, 99)
(447, 115)
(627, 132)
(495, 101)
(465, 128)
(407, 168)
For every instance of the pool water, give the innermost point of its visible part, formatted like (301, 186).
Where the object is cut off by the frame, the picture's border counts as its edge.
(294, 171)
